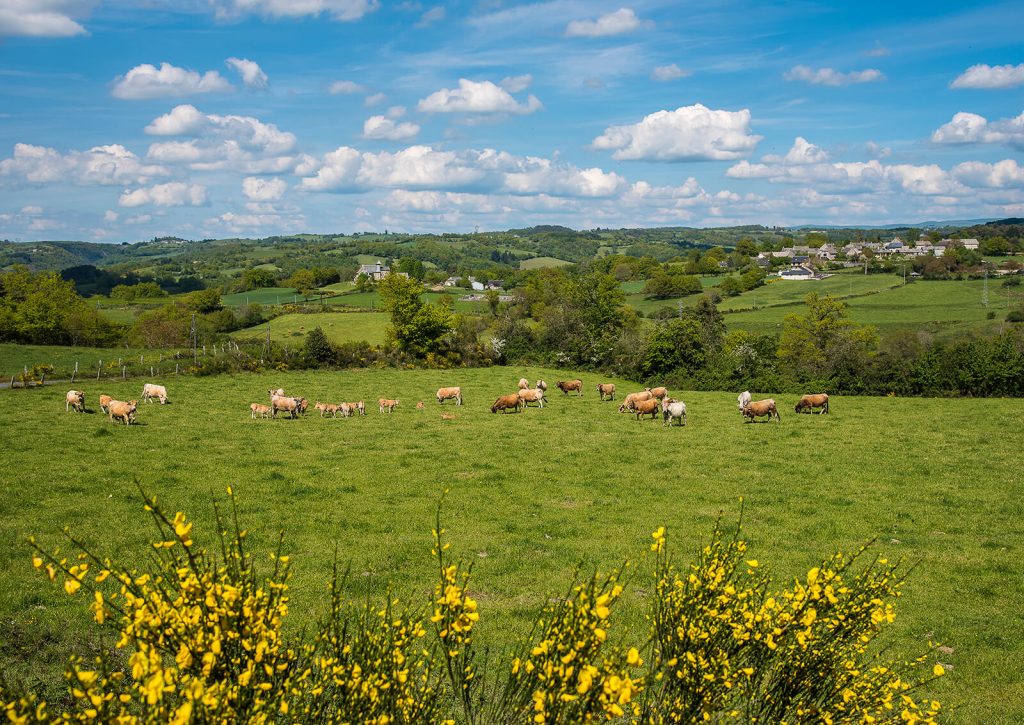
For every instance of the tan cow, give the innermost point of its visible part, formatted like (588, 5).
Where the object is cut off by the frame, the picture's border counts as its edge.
(150, 391)
(288, 405)
(761, 408)
(358, 407)
(646, 407)
(258, 409)
(119, 410)
(105, 402)
(346, 410)
(524, 383)
(566, 385)
(326, 409)
(386, 404)
(532, 395)
(419, 405)
(74, 399)
(303, 405)
(542, 385)
(632, 399)
(606, 389)
(658, 393)
(809, 402)
(507, 401)
(444, 394)
(279, 392)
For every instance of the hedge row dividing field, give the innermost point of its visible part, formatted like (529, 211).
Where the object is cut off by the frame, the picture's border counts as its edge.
(533, 495)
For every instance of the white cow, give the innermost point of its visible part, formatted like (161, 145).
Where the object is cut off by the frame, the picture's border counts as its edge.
(744, 399)
(150, 391)
(672, 409)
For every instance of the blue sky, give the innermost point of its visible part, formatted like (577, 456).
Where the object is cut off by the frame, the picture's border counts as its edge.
(120, 121)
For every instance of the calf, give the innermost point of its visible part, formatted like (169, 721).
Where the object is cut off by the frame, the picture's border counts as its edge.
(419, 405)
(507, 401)
(326, 409)
(303, 405)
(263, 411)
(386, 404)
(279, 392)
(532, 396)
(672, 409)
(761, 408)
(105, 402)
(150, 391)
(444, 394)
(646, 407)
(566, 385)
(810, 402)
(119, 410)
(74, 399)
(358, 407)
(606, 389)
(288, 405)
(632, 399)
(346, 409)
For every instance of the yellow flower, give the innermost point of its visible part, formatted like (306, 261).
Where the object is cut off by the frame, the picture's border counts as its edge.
(938, 670)
(633, 657)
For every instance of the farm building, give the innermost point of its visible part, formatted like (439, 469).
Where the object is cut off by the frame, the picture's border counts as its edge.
(376, 271)
(798, 273)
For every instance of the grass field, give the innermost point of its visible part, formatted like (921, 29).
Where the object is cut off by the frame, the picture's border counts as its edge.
(338, 326)
(14, 358)
(265, 296)
(539, 262)
(937, 482)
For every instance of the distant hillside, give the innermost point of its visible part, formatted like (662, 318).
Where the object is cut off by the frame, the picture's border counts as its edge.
(54, 255)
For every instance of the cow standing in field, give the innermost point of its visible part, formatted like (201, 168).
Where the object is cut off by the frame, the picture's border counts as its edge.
(646, 407)
(288, 405)
(541, 385)
(672, 409)
(346, 410)
(566, 385)
(384, 404)
(279, 392)
(524, 384)
(632, 399)
(533, 395)
(809, 402)
(119, 410)
(761, 408)
(357, 407)
(505, 402)
(658, 393)
(606, 389)
(743, 399)
(258, 409)
(326, 409)
(150, 391)
(105, 402)
(444, 394)
(74, 399)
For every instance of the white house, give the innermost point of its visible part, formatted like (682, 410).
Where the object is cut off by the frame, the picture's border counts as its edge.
(797, 273)
(969, 243)
(375, 272)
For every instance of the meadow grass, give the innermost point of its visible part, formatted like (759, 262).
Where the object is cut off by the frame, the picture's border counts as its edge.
(264, 296)
(338, 326)
(532, 497)
(540, 262)
(15, 358)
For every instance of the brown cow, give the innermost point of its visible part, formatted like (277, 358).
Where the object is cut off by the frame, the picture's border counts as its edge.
(447, 416)
(658, 393)
(809, 402)
(760, 408)
(326, 408)
(303, 405)
(74, 399)
(262, 411)
(604, 389)
(632, 399)
(119, 410)
(533, 395)
(646, 407)
(505, 402)
(566, 385)
(358, 407)
(386, 404)
(104, 402)
(444, 394)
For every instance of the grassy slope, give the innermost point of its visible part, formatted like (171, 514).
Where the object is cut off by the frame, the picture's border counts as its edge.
(532, 495)
(339, 327)
(13, 358)
(265, 296)
(539, 262)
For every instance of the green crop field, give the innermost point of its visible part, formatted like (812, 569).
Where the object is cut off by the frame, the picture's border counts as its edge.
(338, 326)
(935, 482)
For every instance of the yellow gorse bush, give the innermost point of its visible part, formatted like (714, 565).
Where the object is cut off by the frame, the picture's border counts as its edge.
(199, 640)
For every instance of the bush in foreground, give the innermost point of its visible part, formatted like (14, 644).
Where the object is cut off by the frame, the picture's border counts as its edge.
(199, 639)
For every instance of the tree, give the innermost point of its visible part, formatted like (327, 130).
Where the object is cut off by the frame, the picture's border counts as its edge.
(674, 345)
(825, 343)
(364, 283)
(303, 280)
(207, 300)
(317, 348)
(416, 327)
(258, 278)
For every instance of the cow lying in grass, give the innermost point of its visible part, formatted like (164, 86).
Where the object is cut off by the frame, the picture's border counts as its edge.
(74, 399)
(506, 402)
(672, 409)
(761, 408)
(809, 402)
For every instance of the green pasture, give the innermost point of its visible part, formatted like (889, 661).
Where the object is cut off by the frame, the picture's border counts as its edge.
(788, 292)
(15, 358)
(264, 296)
(935, 483)
(539, 262)
(338, 326)
(371, 300)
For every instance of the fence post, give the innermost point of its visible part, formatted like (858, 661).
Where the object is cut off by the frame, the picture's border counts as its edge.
(99, 369)
(151, 372)
(175, 368)
(75, 373)
(124, 372)
(12, 381)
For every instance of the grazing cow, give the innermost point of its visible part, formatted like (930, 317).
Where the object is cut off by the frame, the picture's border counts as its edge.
(604, 389)
(74, 399)
(534, 395)
(632, 399)
(288, 405)
(566, 385)
(150, 391)
(761, 408)
(524, 383)
(119, 410)
(386, 404)
(672, 409)
(444, 394)
(326, 408)
(105, 402)
(507, 401)
(809, 402)
(646, 407)
(419, 405)
(744, 399)
(542, 385)
(259, 409)
(658, 393)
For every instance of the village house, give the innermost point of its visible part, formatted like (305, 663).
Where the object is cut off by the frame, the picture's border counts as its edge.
(376, 272)
(799, 273)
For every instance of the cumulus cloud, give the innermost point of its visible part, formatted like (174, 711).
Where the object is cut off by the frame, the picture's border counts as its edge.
(148, 81)
(476, 97)
(623, 20)
(375, 100)
(832, 77)
(257, 188)
(802, 152)
(990, 77)
(689, 133)
(343, 10)
(110, 216)
(515, 84)
(346, 87)
(970, 128)
(387, 128)
(668, 72)
(252, 75)
(1000, 175)
(101, 165)
(41, 18)
(840, 177)
(175, 193)
(545, 176)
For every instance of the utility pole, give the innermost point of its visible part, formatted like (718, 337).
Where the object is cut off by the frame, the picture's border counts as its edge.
(193, 337)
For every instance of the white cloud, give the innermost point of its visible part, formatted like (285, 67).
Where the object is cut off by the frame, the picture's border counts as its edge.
(252, 75)
(340, 87)
(689, 133)
(110, 216)
(41, 18)
(832, 77)
(182, 120)
(515, 84)
(545, 176)
(110, 165)
(668, 72)
(623, 20)
(148, 81)
(970, 128)
(343, 10)
(384, 127)
(257, 188)
(802, 152)
(1000, 175)
(476, 97)
(375, 100)
(32, 210)
(138, 219)
(990, 77)
(175, 193)
(431, 16)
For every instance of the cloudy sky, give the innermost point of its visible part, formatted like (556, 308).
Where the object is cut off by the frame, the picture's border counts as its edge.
(122, 120)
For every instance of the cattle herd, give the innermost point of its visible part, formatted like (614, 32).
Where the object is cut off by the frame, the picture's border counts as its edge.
(654, 402)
